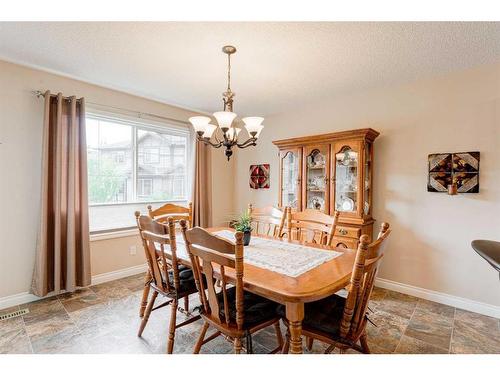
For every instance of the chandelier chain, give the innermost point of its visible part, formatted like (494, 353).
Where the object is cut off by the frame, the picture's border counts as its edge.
(229, 72)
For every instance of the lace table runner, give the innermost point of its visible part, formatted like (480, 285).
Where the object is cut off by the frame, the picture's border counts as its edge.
(280, 256)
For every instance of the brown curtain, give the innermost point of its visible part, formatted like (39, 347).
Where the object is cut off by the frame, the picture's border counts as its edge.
(62, 259)
(202, 186)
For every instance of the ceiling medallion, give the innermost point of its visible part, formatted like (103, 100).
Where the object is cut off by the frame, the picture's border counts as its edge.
(205, 130)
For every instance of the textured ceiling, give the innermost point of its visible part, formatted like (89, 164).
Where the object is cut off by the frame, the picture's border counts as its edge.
(277, 66)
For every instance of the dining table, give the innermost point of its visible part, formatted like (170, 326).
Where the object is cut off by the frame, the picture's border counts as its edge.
(293, 292)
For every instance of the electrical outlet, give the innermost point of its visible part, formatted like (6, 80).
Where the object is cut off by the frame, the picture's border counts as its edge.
(133, 250)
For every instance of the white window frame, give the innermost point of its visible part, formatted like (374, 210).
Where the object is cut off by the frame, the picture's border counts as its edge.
(170, 128)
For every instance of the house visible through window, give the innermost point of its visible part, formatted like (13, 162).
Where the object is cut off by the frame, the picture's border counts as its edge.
(131, 164)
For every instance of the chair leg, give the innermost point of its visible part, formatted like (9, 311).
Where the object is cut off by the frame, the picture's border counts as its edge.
(145, 318)
(279, 337)
(186, 305)
(330, 349)
(309, 342)
(171, 328)
(237, 345)
(286, 345)
(249, 344)
(145, 294)
(199, 342)
(364, 344)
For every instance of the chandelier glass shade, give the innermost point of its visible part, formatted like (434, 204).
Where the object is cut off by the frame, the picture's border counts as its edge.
(207, 132)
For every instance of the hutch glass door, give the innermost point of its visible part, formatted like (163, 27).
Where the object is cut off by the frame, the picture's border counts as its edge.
(316, 178)
(346, 180)
(290, 182)
(367, 196)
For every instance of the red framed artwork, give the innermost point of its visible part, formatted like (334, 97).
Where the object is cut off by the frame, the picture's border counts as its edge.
(259, 176)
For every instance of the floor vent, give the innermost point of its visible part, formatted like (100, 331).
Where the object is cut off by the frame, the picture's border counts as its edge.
(14, 314)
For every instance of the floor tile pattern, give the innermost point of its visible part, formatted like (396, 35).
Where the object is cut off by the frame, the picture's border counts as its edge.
(104, 319)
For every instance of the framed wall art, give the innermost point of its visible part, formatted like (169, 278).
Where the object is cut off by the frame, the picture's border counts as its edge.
(460, 168)
(259, 176)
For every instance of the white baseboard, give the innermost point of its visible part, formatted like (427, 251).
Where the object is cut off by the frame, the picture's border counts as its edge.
(17, 299)
(114, 275)
(446, 299)
(20, 298)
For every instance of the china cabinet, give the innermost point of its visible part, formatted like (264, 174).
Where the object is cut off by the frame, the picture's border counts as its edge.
(331, 172)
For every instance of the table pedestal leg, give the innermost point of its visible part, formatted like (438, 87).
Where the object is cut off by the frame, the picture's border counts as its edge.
(295, 315)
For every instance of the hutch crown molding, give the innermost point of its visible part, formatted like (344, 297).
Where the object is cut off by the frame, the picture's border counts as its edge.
(331, 172)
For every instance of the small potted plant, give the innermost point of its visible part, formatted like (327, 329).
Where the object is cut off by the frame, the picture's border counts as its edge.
(244, 224)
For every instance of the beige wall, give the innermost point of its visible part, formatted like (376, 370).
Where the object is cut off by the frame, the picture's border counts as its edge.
(223, 195)
(21, 116)
(430, 244)
(114, 254)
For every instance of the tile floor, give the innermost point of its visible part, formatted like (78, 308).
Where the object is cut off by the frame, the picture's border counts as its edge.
(104, 319)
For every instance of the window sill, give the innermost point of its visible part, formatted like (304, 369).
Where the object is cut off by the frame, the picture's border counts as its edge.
(146, 202)
(113, 234)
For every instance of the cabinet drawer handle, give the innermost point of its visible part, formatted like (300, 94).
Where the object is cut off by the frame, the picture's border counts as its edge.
(343, 231)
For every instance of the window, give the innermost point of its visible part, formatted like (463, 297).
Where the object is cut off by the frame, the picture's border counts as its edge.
(145, 187)
(120, 157)
(131, 164)
(108, 176)
(161, 169)
(151, 156)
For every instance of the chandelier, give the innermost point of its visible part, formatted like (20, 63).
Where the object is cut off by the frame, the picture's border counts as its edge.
(225, 120)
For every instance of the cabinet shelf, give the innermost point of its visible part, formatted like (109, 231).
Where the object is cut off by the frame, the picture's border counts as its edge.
(316, 167)
(353, 166)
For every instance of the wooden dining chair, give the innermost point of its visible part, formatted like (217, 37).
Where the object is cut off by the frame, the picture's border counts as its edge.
(311, 226)
(234, 313)
(176, 212)
(161, 215)
(268, 221)
(341, 321)
(168, 277)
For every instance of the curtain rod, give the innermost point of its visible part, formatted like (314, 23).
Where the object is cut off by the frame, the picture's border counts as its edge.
(39, 93)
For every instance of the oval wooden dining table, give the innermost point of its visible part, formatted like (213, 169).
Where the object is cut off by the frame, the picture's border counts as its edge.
(293, 292)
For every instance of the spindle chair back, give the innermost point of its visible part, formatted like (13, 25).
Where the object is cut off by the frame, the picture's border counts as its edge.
(161, 253)
(161, 215)
(174, 211)
(311, 226)
(268, 221)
